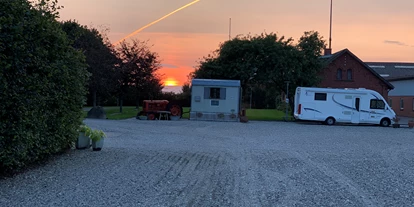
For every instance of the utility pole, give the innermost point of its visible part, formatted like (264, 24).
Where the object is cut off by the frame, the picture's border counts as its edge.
(287, 99)
(251, 95)
(230, 29)
(251, 88)
(330, 28)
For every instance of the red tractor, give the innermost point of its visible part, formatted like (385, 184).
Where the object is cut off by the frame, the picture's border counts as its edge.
(154, 109)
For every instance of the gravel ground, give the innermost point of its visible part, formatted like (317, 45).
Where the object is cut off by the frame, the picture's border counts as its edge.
(195, 163)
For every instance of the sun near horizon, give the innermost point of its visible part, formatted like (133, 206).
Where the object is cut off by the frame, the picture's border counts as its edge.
(170, 82)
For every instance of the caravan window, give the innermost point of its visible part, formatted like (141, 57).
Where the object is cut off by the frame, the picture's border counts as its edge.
(377, 104)
(214, 93)
(320, 96)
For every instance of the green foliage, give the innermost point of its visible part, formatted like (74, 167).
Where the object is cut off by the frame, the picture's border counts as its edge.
(100, 57)
(94, 134)
(185, 94)
(252, 114)
(112, 112)
(138, 71)
(183, 99)
(83, 128)
(42, 80)
(265, 114)
(274, 60)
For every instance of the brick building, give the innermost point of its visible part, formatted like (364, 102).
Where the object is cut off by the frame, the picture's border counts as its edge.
(343, 69)
(401, 75)
(401, 99)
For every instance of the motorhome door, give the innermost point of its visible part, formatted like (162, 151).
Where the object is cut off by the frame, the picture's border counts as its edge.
(355, 117)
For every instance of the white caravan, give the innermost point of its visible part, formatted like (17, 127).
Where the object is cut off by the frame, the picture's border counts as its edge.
(330, 105)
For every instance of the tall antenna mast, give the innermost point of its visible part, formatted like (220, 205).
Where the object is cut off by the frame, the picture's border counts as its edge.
(330, 29)
(230, 29)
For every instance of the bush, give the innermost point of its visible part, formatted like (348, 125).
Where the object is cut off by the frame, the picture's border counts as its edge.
(42, 84)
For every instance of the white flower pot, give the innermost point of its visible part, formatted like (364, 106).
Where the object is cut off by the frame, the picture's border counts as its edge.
(97, 145)
(83, 141)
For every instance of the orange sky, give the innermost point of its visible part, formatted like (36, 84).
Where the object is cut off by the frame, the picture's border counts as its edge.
(376, 30)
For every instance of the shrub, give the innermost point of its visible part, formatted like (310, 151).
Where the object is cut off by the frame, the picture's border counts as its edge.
(42, 84)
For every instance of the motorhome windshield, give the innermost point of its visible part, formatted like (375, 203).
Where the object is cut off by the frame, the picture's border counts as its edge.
(377, 104)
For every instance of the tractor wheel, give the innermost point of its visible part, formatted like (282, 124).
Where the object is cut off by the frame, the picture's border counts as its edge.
(151, 116)
(175, 109)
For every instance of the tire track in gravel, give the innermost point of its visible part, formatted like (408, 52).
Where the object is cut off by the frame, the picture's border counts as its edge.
(153, 159)
(245, 185)
(273, 190)
(338, 177)
(217, 186)
(175, 165)
(161, 170)
(391, 155)
(187, 180)
(194, 175)
(275, 169)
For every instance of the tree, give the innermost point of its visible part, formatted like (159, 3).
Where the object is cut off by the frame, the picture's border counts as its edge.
(138, 68)
(310, 48)
(100, 57)
(265, 61)
(186, 89)
(42, 81)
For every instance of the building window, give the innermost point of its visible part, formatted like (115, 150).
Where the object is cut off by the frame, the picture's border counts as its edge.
(401, 104)
(320, 96)
(339, 74)
(377, 104)
(390, 102)
(349, 74)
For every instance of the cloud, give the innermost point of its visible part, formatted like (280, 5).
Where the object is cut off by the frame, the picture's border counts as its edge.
(168, 66)
(394, 42)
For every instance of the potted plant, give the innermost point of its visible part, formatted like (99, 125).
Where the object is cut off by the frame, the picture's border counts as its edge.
(83, 141)
(97, 137)
(396, 124)
(411, 123)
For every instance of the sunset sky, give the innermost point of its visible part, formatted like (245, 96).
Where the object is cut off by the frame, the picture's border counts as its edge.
(375, 30)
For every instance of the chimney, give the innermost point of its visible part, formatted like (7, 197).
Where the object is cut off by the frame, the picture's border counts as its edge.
(328, 51)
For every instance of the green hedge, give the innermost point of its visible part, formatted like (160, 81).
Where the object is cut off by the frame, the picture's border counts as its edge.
(42, 85)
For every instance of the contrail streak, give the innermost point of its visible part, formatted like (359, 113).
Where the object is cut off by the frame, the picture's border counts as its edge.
(156, 21)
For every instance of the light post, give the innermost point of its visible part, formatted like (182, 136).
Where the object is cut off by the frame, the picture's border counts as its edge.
(251, 89)
(251, 94)
(287, 99)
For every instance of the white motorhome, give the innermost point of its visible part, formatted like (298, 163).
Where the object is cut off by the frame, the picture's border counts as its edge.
(331, 105)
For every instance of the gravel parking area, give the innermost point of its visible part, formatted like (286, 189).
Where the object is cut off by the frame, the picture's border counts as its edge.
(195, 163)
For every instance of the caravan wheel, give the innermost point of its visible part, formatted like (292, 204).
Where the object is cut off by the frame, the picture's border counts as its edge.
(330, 121)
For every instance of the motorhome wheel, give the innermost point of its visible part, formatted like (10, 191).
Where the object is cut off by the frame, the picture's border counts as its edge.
(330, 121)
(385, 122)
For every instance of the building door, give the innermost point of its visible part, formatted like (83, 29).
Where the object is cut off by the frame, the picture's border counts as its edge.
(356, 112)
